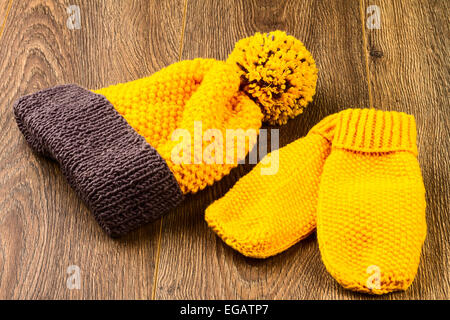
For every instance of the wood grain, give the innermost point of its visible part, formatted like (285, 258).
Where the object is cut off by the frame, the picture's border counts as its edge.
(408, 63)
(195, 263)
(44, 227)
(4, 8)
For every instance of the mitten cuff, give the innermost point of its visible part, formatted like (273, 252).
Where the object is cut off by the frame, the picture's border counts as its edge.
(370, 130)
(121, 178)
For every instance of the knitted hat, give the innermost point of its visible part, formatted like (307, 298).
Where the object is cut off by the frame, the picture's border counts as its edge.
(119, 147)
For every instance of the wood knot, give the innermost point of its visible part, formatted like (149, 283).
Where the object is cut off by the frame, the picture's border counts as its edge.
(376, 53)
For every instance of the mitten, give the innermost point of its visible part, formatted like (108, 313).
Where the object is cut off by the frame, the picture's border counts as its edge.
(264, 214)
(371, 211)
(132, 150)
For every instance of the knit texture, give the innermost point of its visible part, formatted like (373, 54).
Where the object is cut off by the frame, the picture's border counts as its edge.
(199, 119)
(371, 211)
(202, 91)
(121, 178)
(263, 215)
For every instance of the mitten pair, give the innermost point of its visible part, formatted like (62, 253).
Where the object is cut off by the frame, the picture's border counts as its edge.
(355, 177)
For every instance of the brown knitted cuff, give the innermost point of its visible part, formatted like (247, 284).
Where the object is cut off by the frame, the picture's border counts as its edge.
(122, 179)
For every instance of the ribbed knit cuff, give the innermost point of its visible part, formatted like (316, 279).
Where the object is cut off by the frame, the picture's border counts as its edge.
(370, 130)
(121, 178)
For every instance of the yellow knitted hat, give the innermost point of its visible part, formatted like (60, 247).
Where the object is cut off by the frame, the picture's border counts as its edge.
(132, 150)
(268, 77)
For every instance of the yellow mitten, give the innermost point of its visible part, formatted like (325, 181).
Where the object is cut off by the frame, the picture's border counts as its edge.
(264, 214)
(371, 212)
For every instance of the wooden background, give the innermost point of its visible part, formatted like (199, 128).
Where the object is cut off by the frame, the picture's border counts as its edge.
(44, 227)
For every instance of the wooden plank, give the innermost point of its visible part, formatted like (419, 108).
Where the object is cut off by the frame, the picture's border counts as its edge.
(5, 6)
(409, 72)
(195, 263)
(44, 227)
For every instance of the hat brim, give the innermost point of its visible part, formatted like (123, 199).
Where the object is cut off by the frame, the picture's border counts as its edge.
(121, 178)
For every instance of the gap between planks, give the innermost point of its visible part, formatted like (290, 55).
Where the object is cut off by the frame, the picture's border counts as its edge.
(366, 52)
(158, 251)
(6, 17)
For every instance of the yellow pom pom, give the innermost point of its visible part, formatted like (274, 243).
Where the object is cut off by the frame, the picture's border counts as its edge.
(277, 72)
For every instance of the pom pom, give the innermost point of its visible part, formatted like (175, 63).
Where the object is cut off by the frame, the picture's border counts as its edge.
(277, 72)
